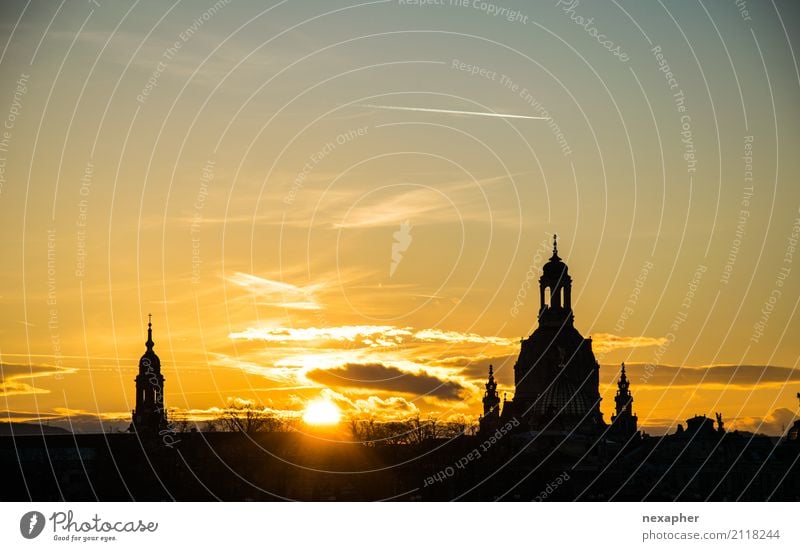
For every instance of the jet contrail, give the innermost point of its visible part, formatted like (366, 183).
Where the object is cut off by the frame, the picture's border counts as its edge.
(454, 112)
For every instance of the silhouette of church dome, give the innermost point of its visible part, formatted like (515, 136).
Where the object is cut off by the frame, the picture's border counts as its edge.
(562, 398)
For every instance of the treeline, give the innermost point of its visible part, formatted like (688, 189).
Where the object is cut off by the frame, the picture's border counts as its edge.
(250, 419)
(412, 430)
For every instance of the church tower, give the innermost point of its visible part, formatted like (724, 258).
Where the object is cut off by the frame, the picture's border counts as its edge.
(491, 405)
(149, 417)
(556, 376)
(555, 292)
(624, 421)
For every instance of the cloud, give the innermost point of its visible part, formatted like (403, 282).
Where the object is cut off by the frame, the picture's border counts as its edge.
(14, 378)
(394, 407)
(421, 205)
(440, 364)
(278, 374)
(389, 379)
(719, 377)
(443, 354)
(367, 335)
(278, 293)
(456, 337)
(384, 409)
(776, 423)
(603, 343)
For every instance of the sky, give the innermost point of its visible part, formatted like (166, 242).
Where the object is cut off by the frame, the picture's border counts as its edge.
(351, 201)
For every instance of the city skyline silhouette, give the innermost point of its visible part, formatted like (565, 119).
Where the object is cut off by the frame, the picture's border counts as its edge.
(466, 250)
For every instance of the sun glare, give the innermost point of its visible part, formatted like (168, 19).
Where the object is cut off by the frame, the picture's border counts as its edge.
(321, 412)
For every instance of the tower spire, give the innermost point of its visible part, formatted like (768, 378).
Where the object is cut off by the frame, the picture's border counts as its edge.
(555, 248)
(491, 404)
(149, 344)
(149, 416)
(625, 421)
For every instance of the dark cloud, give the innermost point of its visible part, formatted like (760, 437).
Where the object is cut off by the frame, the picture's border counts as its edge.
(503, 369)
(386, 378)
(649, 375)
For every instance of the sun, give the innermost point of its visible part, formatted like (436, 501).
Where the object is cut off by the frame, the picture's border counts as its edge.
(322, 412)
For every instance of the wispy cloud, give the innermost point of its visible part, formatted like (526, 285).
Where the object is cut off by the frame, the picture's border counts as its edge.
(423, 205)
(607, 342)
(15, 379)
(419, 204)
(368, 335)
(278, 293)
(457, 337)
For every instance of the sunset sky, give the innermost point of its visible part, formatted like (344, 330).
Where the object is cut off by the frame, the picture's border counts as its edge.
(251, 174)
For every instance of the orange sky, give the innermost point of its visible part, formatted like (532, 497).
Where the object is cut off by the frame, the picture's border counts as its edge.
(225, 167)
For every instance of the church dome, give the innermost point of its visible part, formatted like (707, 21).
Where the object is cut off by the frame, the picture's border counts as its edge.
(562, 398)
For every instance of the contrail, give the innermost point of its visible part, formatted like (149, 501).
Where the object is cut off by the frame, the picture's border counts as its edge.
(454, 112)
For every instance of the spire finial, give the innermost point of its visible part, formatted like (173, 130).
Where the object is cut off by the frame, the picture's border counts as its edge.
(555, 248)
(491, 370)
(149, 344)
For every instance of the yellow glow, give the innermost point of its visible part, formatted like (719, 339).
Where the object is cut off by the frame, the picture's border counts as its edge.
(322, 412)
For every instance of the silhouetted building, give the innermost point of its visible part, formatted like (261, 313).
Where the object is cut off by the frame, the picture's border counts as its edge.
(556, 375)
(491, 405)
(149, 417)
(700, 426)
(624, 422)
